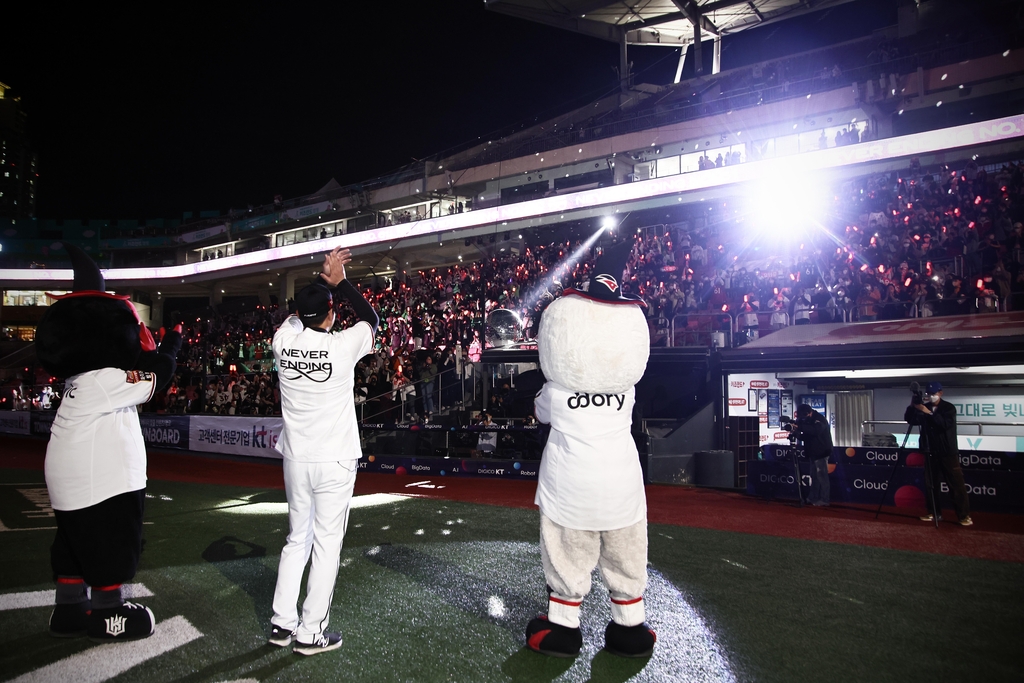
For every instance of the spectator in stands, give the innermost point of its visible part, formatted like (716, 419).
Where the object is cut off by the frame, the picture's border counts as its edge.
(888, 304)
(779, 307)
(426, 375)
(824, 304)
(867, 303)
(486, 440)
(801, 308)
(748, 315)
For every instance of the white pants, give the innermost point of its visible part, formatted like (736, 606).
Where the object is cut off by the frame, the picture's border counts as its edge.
(319, 494)
(570, 555)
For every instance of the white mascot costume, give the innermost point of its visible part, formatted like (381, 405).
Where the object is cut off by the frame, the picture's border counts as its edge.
(594, 347)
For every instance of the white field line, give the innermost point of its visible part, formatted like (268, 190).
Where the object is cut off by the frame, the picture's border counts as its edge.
(45, 598)
(102, 663)
(34, 528)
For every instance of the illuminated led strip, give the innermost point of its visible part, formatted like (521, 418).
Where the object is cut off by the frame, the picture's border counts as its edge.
(996, 130)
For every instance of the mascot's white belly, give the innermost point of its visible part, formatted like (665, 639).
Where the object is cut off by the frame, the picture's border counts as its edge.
(590, 475)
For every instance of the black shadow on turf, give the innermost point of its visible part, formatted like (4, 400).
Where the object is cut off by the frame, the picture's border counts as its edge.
(241, 563)
(608, 668)
(221, 669)
(527, 666)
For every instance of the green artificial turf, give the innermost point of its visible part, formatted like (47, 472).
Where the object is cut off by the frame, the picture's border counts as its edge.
(442, 591)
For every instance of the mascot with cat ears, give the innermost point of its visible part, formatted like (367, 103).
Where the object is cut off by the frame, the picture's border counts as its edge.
(594, 345)
(96, 458)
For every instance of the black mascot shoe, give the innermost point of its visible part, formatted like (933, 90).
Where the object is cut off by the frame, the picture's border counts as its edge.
(130, 621)
(629, 641)
(69, 621)
(554, 640)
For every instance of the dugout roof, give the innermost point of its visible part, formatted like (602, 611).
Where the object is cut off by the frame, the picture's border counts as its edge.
(985, 348)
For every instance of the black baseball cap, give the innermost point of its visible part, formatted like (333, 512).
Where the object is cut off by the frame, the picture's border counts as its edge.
(312, 302)
(605, 285)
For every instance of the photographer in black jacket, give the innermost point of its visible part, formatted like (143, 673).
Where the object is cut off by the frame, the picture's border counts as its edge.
(812, 429)
(937, 419)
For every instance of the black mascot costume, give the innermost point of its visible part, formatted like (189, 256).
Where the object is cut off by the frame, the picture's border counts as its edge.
(96, 458)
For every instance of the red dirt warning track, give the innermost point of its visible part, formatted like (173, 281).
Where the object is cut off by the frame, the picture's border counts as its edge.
(994, 536)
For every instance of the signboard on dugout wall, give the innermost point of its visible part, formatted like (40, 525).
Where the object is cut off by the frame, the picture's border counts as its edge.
(1007, 461)
(15, 422)
(870, 485)
(161, 431)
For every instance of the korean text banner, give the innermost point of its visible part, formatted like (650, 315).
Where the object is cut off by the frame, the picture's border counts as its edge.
(254, 436)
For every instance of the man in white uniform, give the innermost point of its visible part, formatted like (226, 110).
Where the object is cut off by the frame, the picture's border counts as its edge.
(320, 445)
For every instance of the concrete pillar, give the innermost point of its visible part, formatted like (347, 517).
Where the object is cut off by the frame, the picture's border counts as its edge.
(156, 313)
(716, 63)
(679, 66)
(907, 18)
(623, 64)
(621, 171)
(287, 289)
(698, 65)
(883, 127)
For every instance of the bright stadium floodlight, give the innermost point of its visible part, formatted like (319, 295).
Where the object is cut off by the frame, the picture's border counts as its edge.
(786, 205)
(608, 223)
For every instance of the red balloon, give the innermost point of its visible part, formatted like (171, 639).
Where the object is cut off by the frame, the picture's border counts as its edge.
(909, 497)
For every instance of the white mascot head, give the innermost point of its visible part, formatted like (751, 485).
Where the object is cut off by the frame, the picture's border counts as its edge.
(596, 341)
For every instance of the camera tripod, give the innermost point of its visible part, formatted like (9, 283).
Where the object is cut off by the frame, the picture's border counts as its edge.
(929, 490)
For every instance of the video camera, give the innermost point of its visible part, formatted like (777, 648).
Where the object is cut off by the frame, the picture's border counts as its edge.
(791, 425)
(917, 396)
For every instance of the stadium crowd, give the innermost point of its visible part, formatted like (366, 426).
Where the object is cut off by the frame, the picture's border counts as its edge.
(921, 243)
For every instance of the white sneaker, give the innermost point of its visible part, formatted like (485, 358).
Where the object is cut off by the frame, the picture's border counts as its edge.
(321, 643)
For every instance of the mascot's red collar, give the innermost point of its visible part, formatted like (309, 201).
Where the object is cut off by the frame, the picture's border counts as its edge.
(578, 292)
(146, 340)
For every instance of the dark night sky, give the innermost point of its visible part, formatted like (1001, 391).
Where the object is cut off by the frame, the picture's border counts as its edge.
(211, 108)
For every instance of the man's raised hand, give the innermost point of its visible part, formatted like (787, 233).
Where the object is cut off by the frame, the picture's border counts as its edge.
(333, 271)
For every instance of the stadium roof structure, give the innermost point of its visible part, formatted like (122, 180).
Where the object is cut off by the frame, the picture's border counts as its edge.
(420, 242)
(671, 23)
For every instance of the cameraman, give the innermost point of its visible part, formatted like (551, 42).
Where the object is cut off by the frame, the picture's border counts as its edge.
(812, 428)
(937, 420)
